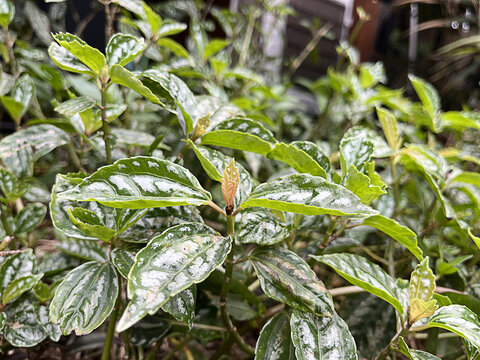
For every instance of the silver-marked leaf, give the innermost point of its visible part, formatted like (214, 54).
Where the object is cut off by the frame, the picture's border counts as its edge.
(297, 159)
(9, 185)
(402, 234)
(15, 267)
(274, 341)
(88, 55)
(319, 337)
(149, 330)
(83, 249)
(29, 217)
(123, 48)
(414, 354)
(89, 223)
(355, 150)
(457, 319)
(75, 106)
(380, 146)
(67, 61)
(202, 153)
(180, 257)
(22, 96)
(7, 12)
(240, 134)
(170, 27)
(3, 321)
(22, 328)
(182, 305)
(53, 330)
(139, 183)
(19, 286)
(133, 137)
(175, 93)
(308, 195)
(286, 277)
(360, 272)
(261, 226)
(427, 94)
(122, 260)
(422, 282)
(23, 148)
(85, 298)
(157, 220)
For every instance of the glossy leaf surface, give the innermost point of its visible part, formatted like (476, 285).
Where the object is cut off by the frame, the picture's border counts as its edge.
(83, 249)
(286, 277)
(19, 286)
(182, 305)
(274, 341)
(122, 260)
(123, 48)
(261, 226)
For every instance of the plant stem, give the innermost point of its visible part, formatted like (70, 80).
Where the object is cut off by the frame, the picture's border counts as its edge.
(402, 331)
(396, 194)
(176, 348)
(248, 38)
(105, 127)
(111, 330)
(109, 21)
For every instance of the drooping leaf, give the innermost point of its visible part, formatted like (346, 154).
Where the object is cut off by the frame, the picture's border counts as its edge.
(213, 47)
(122, 260)
(308, 195)
(123, 48)
(360, 272)
(171, 262)
(83, 249)
(261, 226)
(182, 305)
(174, 47)
(274, 341)
(240, 134)
(88, 55)
(286, 277)
(320, 337)
(85, 298)
(402, 234)
(89, 223)
(170, 27)
(19, 286)
(140, 182)
(29, 217)
(23, 148)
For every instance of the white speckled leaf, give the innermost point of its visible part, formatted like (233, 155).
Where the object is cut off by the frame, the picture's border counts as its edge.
(318, 337)
(261, 226)
(19, 286)
(122, 260)
(274, 341)
(308, 195)
(171, 262)
(182, 305)
(85, 298)
(286, 277)
(83, 249)
(15, 267)
(138, 183)
(123, 48)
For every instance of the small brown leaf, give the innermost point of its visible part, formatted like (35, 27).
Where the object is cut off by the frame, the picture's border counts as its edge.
(230, 181)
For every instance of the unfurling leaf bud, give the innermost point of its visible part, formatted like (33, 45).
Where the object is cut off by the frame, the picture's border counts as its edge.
(201, 127)
(230, 181)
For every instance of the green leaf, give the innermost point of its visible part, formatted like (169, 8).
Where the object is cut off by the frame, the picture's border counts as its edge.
(19, 286)
(133, 137)
(355, 150)
(174, 47)
(286, 277)
(182, 305)
(466, 177)
(274, 340)
(170, 27)
(140, 182)
(88, 55)
(149, 330)
(475, 239)
(9, 185)
(380, 146)
(22, 328)
(213, 47)
(66, 61)
(89, 223)
(175, 93)
(422, 282)
(29, 217)
(427, 94)
(308, 195)
(319, 337)
(390, 128)
(3, 321)
(22, 95)
(120, 75)
(261, 226)
(75, 106)
(297, 159)
(210, 169)
(370, 277)
(240, 134)
(123, 48)
(122, 260)
(7, 12)
(54, 332)
(15, 267)
(402, 234)
(414, 354)
(23, 148)
(83, 249)
(460, 120)
(153, 18)
(459, 320)
(85, 298)
(170, 263)
(367, 188)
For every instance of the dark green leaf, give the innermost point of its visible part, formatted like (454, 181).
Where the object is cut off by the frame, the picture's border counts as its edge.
(149, 330)
(182, 256)
(15, 267)
(123, 261)
(414, 354)
(274, 340)
(22, 94)
(182, 305)
(286, 277)
(85, 298)
(29, 217)
(89, 223)
(261, 226)
(19, 286)
(83, 249)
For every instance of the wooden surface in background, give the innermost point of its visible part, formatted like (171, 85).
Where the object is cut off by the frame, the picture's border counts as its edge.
(365, 41)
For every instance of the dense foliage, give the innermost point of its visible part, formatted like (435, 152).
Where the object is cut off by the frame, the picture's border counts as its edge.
(167, 202)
